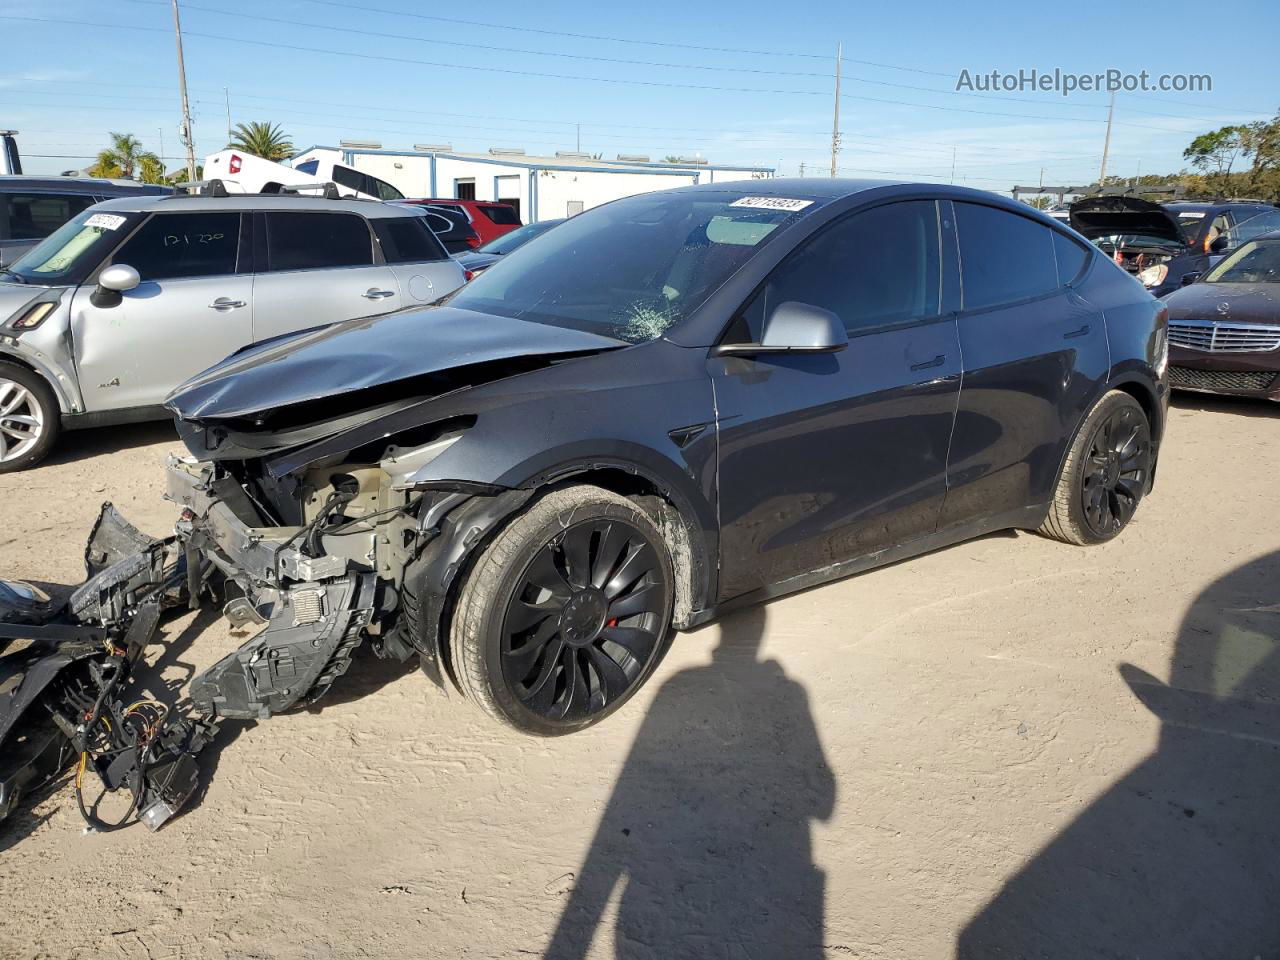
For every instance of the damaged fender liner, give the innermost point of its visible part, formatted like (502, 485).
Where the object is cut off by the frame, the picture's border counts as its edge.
(428, 580)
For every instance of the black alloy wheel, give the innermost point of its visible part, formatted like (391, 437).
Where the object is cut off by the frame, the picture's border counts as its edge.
(586, 618)
(1116, 471)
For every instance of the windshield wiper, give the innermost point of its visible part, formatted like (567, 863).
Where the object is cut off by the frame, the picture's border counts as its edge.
(9, 273)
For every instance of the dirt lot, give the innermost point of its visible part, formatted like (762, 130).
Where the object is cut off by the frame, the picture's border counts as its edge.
(1010, 748)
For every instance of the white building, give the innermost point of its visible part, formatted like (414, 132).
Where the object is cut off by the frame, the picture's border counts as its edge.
(540, 188)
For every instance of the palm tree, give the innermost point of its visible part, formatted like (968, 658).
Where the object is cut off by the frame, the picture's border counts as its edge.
(265, 140)
(151, 169)
(121, 159)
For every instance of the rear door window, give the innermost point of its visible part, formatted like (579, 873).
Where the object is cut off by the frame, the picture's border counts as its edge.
(1004, 257)
(315, 241)
(34, 216)
(407, 240)
(171, 246)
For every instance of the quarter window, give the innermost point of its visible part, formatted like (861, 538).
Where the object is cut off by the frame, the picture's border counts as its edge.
(407, 240)
(1070, 256)
(1003, 256)
(171, 246)
(1253, 223)
(501, 214)
(311, 241)
(874, 268)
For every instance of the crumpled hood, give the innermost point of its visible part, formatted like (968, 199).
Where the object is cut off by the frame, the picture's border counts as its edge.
(1095, 217)
(358, 355)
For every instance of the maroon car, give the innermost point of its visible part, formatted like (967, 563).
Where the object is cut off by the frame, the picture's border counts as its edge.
(1224, 329)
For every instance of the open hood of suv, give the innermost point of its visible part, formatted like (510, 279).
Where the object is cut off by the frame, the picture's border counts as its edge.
(359, 364)
(1096, 217)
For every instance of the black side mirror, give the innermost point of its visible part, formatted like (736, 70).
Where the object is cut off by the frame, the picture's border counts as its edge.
(1219, 243)
(1189, 278)
(793, 327)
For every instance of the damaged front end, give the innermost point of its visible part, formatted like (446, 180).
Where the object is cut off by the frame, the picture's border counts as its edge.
(369, 558)
(310, 516)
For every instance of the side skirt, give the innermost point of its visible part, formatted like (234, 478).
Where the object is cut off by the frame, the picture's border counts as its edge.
(1026, 518)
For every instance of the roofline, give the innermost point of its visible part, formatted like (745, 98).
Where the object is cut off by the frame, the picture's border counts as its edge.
(524, 163)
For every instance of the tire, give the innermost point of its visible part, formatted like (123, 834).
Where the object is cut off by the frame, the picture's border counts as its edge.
(1105, 475)
(565, 613)
(29, 418)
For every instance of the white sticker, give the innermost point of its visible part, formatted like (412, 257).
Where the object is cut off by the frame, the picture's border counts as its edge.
(107, 221)
(772, 203)
(1190, 214)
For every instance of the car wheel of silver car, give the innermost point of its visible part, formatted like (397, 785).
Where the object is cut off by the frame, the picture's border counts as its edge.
(29, 420)
(565, 614)
(1106, 473)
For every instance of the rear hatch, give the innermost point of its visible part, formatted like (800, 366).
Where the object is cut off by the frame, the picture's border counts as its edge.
(1140, 236)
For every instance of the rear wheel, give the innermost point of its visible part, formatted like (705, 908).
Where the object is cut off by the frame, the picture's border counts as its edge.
(29, 420)
(565, 614)
(1106, 474)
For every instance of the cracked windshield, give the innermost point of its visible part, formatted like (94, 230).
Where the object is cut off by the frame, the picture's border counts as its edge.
(637, 267)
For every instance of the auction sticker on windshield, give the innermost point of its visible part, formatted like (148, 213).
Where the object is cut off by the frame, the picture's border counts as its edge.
(105, 221)
(772, 203)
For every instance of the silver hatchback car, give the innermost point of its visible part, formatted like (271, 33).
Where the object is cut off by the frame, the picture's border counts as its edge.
(131, 297)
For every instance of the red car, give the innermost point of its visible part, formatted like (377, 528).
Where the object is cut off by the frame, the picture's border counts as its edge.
(490, 220)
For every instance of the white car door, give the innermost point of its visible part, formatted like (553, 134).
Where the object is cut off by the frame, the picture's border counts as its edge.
(191, 309)
(315, 268)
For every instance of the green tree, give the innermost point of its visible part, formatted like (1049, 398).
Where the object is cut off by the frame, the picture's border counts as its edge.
(126, 158)
(1214, 153)
(265, 140)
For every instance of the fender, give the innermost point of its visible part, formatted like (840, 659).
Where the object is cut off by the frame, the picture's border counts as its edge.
(63, 386)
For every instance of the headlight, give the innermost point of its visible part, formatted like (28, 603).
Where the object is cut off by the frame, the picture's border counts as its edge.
(1153, 276)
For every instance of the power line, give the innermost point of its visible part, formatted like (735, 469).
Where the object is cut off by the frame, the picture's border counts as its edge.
(562, 55)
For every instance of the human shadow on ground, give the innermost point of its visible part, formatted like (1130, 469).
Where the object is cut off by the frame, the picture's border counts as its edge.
(708, 827)
(1181, 857)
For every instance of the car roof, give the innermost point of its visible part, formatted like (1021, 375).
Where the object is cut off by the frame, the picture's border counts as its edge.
(1204, 206)
(182, 203)
(89, 185)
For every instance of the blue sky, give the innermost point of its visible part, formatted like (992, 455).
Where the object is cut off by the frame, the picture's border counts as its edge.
(413, 77)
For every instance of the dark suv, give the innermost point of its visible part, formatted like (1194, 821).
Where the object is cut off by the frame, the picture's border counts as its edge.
(31, 208)
(1166, 246)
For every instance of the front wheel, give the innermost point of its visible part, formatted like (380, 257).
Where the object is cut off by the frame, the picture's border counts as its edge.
(565, 614)
(1106, 473)
(29, 419)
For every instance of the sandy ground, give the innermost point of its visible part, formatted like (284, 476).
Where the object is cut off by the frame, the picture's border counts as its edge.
(1010, 748)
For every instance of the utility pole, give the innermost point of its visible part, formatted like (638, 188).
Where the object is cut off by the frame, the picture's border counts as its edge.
(835, 120)
(802, 168)
(186, 104)
(1106, 144)
(953, 165)
(227, 92)
(162, 156)
(578, 128)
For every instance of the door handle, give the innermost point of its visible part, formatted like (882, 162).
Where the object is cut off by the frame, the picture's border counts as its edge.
(373, 293)
(225, 303)
(937, 361)
(1076, 333)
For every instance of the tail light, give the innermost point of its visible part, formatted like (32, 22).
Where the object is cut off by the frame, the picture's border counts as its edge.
(473, 241)
(234, 165)
(468, 275)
